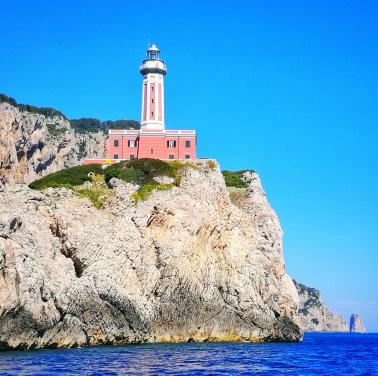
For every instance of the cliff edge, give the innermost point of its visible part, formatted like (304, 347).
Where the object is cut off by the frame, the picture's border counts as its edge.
(314, 314)
(34, 145)
(184, 264)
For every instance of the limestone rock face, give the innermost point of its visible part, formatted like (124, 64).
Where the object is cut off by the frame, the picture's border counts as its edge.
(185, 264)
(356, 325)
(33, 145)
(314, 314)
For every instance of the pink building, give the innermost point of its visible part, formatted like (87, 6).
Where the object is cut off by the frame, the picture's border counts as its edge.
(152, 140)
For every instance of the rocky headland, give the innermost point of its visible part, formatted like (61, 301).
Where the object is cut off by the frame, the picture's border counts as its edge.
(184, 264)
(182, 258)
(315, 316)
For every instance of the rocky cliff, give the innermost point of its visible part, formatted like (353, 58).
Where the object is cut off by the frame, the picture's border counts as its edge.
(314, 314)
(356, 325)
(33, 145)
(186, 264)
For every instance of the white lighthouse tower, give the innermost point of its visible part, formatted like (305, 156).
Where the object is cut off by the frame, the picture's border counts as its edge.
(153, 70)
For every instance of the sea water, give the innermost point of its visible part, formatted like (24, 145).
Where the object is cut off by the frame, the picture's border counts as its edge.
(317, 354)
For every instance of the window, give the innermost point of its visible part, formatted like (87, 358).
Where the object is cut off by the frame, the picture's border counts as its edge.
(152, 100)
(171, 156)
(132, 156)
(187, 156)
(187, 144)
(132, 143)
(152, 151)
(171, 144)
(116, 143)
(152, 88)
(115, 156)
(152, 113)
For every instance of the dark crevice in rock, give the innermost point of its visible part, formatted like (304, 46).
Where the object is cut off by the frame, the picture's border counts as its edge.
(68, 252)
(60, 147)
(43, 166)
(31, 151)
(20, 155)
(37, 126)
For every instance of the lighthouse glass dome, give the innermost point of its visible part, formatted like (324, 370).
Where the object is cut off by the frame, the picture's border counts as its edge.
(153, 53)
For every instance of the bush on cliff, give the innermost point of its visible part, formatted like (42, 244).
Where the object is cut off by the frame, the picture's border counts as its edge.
(47, 111)
(120, 124)
(234, 178)
(91, 125)
(68, 177)
(143, 192)
(82, 125)
(139, 171)
(5, 99)
(85, 125)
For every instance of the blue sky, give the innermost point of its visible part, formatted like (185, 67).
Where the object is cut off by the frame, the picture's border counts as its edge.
(288, 88)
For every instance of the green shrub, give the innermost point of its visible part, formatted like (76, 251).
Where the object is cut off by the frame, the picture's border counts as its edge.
(47, 111)
(86, 125)
(211, 164)
(68, 177)
(96, 196)
(5, 99)
(55, 131)
(143, 192)
(120, 124)
(82, 146)
(139, 171)
(234, 178)
(82, 125)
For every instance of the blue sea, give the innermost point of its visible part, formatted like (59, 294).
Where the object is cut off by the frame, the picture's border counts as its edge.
(318, 354)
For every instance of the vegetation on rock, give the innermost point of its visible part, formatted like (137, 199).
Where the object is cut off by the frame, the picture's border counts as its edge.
(97, 192)
(47, 111)
(141, 172)
(68, 177)
(143, 192)
(54, 130)
(82, 125)
(211, 164)
(86, 125)
(235, 178)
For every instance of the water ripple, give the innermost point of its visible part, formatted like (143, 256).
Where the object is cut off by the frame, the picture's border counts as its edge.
(318, 354)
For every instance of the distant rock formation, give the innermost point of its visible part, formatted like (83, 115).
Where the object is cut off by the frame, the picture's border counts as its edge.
(314, 314)
(356, 325)
(33, 145)
(183, 265)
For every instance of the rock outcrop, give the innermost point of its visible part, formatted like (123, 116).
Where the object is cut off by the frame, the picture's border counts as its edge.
(356, 325)
(315, 315)
(186, 264)
(33, 145)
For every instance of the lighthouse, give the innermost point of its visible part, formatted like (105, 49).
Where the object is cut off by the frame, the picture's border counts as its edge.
(152, 140)
(153, 70)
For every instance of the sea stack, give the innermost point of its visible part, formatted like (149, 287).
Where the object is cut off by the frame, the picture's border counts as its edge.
(356, 325)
